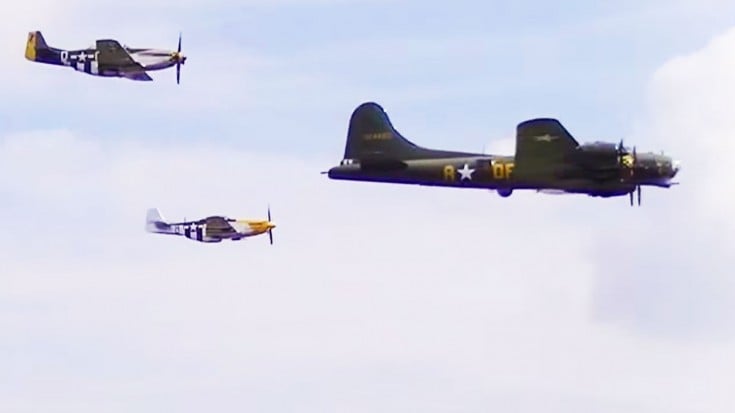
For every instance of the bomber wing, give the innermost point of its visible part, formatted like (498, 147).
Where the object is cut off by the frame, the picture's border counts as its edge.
(112, 54)
(542, 145)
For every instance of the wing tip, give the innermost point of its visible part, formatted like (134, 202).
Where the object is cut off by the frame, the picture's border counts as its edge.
(539, 121)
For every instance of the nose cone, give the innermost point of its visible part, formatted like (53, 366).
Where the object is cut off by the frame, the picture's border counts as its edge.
(675, 166)
(178, 57)
(271, 225)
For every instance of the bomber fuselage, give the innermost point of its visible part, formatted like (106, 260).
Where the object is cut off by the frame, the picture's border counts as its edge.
(496, 173)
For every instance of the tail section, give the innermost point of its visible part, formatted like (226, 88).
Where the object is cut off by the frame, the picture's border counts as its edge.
(154, 222)
(371, 136)
(37, 50)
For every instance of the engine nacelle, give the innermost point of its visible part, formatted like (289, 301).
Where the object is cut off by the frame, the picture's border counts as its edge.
(597, 154)
(599, 148)
(505, 192)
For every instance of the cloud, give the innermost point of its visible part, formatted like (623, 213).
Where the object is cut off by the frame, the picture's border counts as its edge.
(670, 274)
(374, 297)
(352, 296)
(369, 298)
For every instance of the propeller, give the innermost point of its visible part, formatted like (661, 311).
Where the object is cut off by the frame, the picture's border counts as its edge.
(638, 187)
(638, 191)
(621, 148)
(270, 230)
(180, 59)
(630, 169)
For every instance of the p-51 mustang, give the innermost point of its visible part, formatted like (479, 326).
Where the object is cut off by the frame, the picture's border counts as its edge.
(106, 58)
(210, 229)
(547, 159)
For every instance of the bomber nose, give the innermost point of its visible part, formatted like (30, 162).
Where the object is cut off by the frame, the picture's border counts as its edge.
(675, 166)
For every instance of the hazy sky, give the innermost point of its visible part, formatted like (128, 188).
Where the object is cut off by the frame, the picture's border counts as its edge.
(375, 297)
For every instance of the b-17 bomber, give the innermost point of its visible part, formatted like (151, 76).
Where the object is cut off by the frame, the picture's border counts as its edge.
(547, 159)
(211, 229)
(107, 58)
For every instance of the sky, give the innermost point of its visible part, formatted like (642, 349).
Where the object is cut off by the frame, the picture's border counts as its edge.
(375, 297)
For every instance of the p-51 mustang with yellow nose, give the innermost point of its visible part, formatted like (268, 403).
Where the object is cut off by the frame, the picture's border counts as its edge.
(106, 58)
(210, 229)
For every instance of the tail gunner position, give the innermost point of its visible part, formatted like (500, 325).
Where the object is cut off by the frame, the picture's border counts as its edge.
(547, 159)
(106, 58)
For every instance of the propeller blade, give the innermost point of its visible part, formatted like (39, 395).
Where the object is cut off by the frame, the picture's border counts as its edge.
(639, 195)
(270, 231)
(179, 60)
(631, 198)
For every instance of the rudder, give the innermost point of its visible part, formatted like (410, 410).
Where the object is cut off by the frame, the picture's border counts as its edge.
(35, 41)
(37, 50)
(371, 135)
(154, 222)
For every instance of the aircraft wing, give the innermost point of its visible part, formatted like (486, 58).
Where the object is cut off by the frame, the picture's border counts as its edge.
(219, 226)
(541, 145)
(142, 75)
(112, 54)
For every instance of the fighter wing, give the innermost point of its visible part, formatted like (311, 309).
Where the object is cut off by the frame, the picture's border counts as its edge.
(218, 226)
(137, 76)
(542, 145)
(112, 54)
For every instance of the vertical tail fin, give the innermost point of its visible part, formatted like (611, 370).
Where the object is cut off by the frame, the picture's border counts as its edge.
(37, 50)
(371, 136)
(154, 222)
(33, 44)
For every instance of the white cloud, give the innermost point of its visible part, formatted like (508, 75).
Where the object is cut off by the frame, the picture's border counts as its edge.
(369, 298)
(691, 103)
(375, 297)
(666, 272)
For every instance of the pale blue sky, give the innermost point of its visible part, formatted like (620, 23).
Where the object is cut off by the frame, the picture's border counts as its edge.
(375, 297)
(486, 66)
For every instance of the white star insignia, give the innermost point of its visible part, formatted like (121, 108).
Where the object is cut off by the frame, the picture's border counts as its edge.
(466, 172)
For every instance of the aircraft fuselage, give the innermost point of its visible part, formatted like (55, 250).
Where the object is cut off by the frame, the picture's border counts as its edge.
(211, 232)
(495, 173)
(87, 60)
(547, 159)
